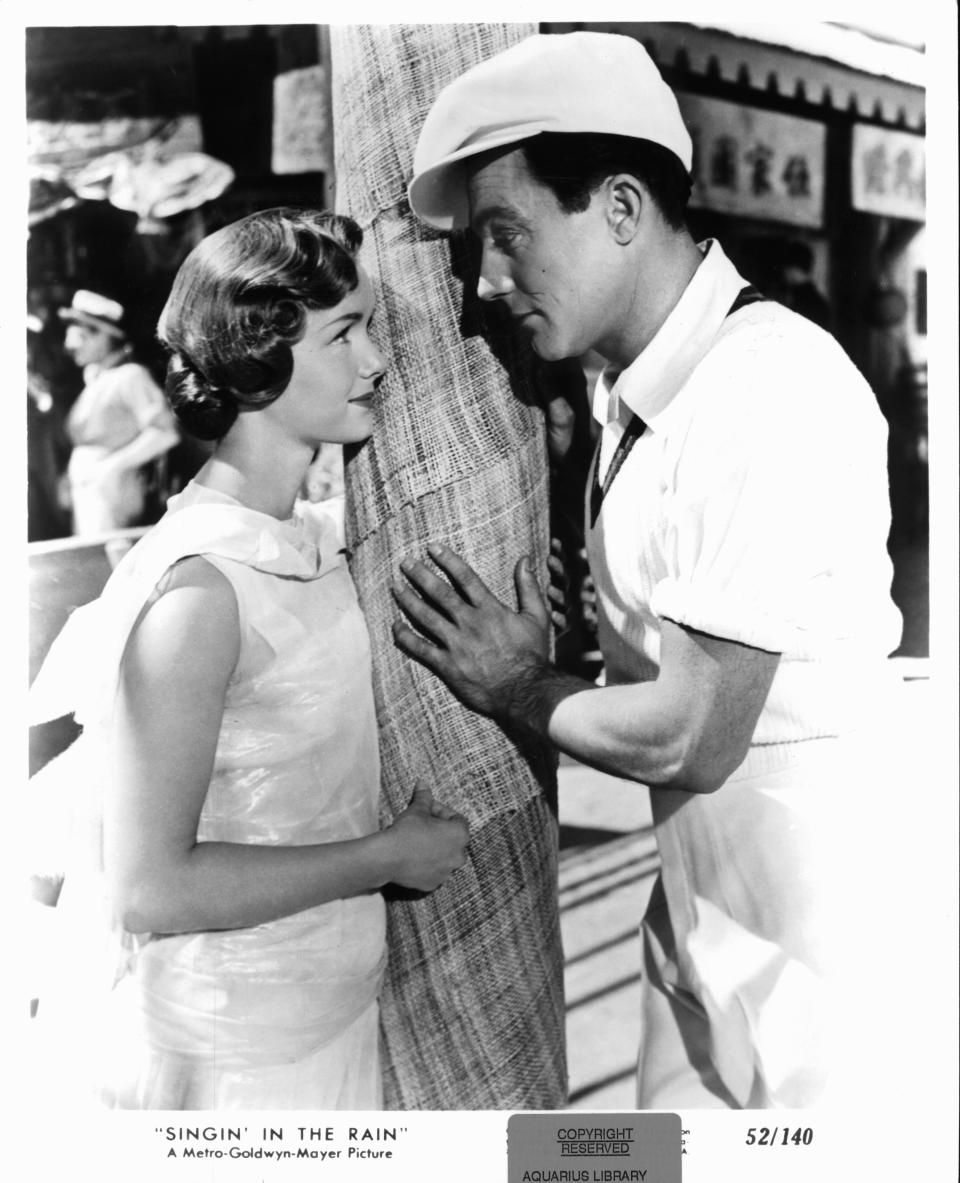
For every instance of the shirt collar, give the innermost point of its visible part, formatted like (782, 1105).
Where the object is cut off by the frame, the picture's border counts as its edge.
(648, 385)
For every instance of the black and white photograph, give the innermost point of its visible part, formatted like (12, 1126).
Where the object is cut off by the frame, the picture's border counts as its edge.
(485, 666)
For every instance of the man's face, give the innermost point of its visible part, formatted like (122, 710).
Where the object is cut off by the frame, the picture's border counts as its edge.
(544, 266)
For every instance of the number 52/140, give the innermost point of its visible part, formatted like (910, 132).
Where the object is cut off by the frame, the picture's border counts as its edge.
(779, 1136)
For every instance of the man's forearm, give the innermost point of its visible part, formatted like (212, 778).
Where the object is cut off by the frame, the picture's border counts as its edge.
(628, 731)
(688, 729)
(533, 696)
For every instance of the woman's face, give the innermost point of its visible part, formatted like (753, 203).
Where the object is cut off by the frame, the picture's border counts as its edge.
(336, 368)
(88, 345)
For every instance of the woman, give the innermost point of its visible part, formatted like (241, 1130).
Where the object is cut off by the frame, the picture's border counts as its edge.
(239, 839)
(119, 423)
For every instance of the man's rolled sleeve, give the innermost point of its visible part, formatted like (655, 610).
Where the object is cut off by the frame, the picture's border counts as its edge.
(748, 537)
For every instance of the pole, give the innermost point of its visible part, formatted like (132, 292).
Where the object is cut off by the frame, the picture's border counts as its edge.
(472, 1010)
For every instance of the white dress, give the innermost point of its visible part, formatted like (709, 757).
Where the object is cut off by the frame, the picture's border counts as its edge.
(282, 1015)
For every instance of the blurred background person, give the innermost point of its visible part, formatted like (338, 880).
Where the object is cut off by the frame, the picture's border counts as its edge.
(120, 424)
(48, 514)
(798, 290)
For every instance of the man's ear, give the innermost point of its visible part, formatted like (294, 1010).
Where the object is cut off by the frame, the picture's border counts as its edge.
(625, 199)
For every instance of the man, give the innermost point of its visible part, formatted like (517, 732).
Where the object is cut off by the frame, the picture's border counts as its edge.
(119, 423)
(736, 529)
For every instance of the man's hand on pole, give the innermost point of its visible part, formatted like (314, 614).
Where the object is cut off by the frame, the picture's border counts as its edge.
(486, 652)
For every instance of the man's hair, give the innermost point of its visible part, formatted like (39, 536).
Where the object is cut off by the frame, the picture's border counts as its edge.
(575, 164)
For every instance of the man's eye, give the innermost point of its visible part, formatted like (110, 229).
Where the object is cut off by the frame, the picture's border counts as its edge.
(503, 237)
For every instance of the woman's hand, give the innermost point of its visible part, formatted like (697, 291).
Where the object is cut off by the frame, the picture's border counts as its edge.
(431, 842)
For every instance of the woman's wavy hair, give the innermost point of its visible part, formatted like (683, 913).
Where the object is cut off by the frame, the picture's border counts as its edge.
(238, 304)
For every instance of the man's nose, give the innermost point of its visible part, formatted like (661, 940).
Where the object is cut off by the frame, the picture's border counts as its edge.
(494, 282)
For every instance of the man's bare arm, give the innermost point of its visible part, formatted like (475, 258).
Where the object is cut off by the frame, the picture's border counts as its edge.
(689, 729)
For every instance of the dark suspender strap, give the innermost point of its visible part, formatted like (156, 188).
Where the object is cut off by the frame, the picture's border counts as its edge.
(747, 295)
(636, 426)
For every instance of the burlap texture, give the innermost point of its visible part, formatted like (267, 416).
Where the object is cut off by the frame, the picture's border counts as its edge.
(473, 1012)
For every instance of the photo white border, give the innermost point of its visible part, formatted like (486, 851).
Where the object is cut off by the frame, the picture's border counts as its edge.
(918, 1130)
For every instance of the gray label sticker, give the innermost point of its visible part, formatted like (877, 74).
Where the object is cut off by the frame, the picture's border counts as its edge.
(593, 1148)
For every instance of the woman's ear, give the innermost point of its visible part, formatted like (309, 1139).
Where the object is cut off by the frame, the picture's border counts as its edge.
(625, 200)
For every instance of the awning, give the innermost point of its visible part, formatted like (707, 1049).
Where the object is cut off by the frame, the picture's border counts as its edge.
(843, 44)
(831, 65)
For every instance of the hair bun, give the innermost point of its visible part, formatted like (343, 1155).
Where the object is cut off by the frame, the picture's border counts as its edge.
(204, 410)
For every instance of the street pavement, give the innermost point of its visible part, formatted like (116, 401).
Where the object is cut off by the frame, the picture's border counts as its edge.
(608, 862)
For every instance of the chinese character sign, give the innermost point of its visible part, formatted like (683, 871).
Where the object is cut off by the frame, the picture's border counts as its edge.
(757, 163)
(888, 172)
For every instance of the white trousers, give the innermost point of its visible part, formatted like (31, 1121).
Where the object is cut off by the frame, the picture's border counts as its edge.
(765, 930)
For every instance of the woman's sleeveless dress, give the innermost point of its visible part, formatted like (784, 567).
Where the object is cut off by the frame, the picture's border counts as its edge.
(282, 1015)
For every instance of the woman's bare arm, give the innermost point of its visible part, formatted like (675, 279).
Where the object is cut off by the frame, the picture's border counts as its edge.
(173, 685)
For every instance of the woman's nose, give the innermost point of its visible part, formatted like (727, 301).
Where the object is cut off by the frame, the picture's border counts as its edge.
(376, 362)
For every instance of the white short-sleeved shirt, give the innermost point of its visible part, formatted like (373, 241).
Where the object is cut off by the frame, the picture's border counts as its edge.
(754, 507)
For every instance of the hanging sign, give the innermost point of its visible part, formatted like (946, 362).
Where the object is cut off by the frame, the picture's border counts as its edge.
(301, 122)
(889, 171)
(756, 163)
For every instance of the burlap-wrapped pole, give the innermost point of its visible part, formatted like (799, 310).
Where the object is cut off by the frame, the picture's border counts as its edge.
(473, 1014)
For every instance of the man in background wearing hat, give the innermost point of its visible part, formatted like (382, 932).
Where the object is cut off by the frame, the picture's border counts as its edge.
(736, 530)
(119, 423)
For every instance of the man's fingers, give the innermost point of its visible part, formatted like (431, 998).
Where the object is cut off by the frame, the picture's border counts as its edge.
(471, 586)
(411, 643)
(426, 618)
(432, 588)
(529, 594)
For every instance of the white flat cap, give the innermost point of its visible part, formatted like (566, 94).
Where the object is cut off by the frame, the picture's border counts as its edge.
(99, 312)
(556, 82)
